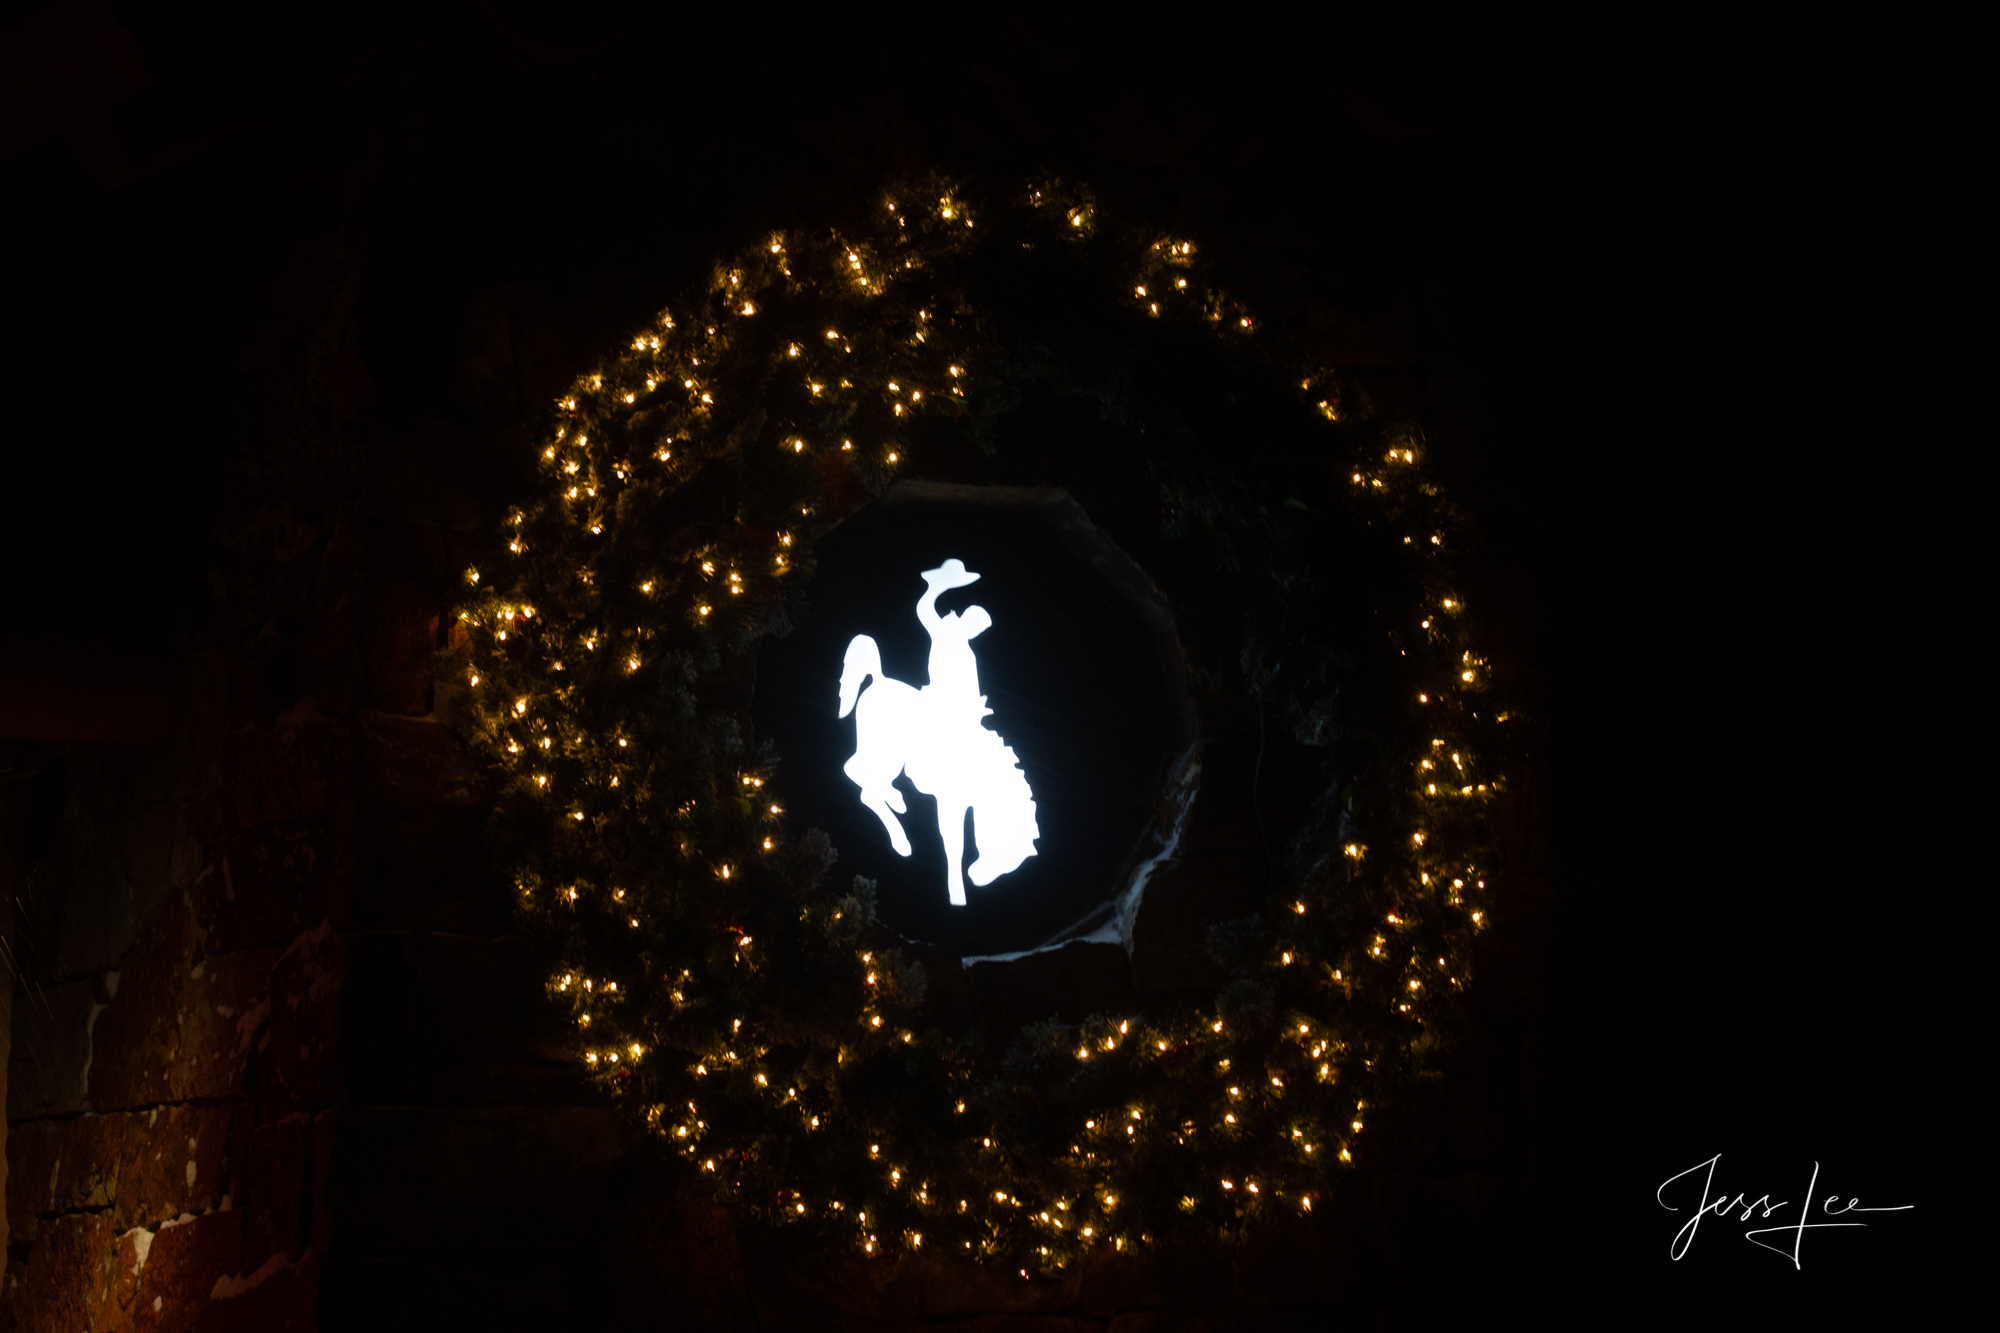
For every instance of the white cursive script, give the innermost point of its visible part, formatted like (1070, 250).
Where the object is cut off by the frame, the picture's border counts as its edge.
(1797, 1230)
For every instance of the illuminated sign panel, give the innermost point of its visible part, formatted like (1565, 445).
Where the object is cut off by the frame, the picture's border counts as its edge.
(988, 651)
(937, 736)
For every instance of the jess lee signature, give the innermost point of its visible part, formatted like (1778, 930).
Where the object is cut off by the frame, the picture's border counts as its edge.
(1830, 1206)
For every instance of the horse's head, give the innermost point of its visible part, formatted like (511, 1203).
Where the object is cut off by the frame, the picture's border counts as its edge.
(863, 660)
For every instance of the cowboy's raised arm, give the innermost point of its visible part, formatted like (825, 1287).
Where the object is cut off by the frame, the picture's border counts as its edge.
(927, 615)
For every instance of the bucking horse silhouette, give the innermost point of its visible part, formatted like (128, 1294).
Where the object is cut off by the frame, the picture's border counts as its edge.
(938, 737)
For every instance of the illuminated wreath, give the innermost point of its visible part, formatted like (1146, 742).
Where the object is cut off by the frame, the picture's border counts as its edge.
(750, 1015)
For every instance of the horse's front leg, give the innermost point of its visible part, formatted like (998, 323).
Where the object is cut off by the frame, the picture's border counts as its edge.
(951, 826)
(880, 796)
(880, 805)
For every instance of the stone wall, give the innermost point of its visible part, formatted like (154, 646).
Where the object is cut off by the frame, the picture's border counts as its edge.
(176, 992)
(263, 980)
(281, 1062)
(279, 1059)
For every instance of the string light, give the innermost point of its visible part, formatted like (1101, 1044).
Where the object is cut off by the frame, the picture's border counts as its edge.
(549, 703)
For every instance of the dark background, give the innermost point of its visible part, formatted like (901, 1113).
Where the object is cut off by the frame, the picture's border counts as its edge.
(1671, 292)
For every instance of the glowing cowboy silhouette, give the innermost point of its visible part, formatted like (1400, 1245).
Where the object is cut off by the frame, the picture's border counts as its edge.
(936, 736)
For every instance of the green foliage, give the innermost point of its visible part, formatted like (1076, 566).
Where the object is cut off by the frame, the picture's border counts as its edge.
(748, 1014)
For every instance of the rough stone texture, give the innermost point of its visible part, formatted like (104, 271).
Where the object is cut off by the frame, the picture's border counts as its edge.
(88, 1168)
(271, 949)
(278, 1296)
(183, 1026)
(164, 1167)
(50, 1058)
(301, 1070)
(185, 1261)
(117, 861)
(34, 1150)
(460, 1182)
(261, 577)
(70, 1276)
(269, 884)
(156, 1150)
(291, 771)
(275, 1183)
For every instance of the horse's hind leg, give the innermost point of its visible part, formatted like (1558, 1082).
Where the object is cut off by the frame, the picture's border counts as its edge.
(951, 824)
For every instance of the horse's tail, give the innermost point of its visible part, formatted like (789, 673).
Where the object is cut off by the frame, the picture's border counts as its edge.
(1003, 819)
(863, 661)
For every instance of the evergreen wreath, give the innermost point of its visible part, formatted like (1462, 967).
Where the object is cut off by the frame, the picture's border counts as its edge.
(761, 1029)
